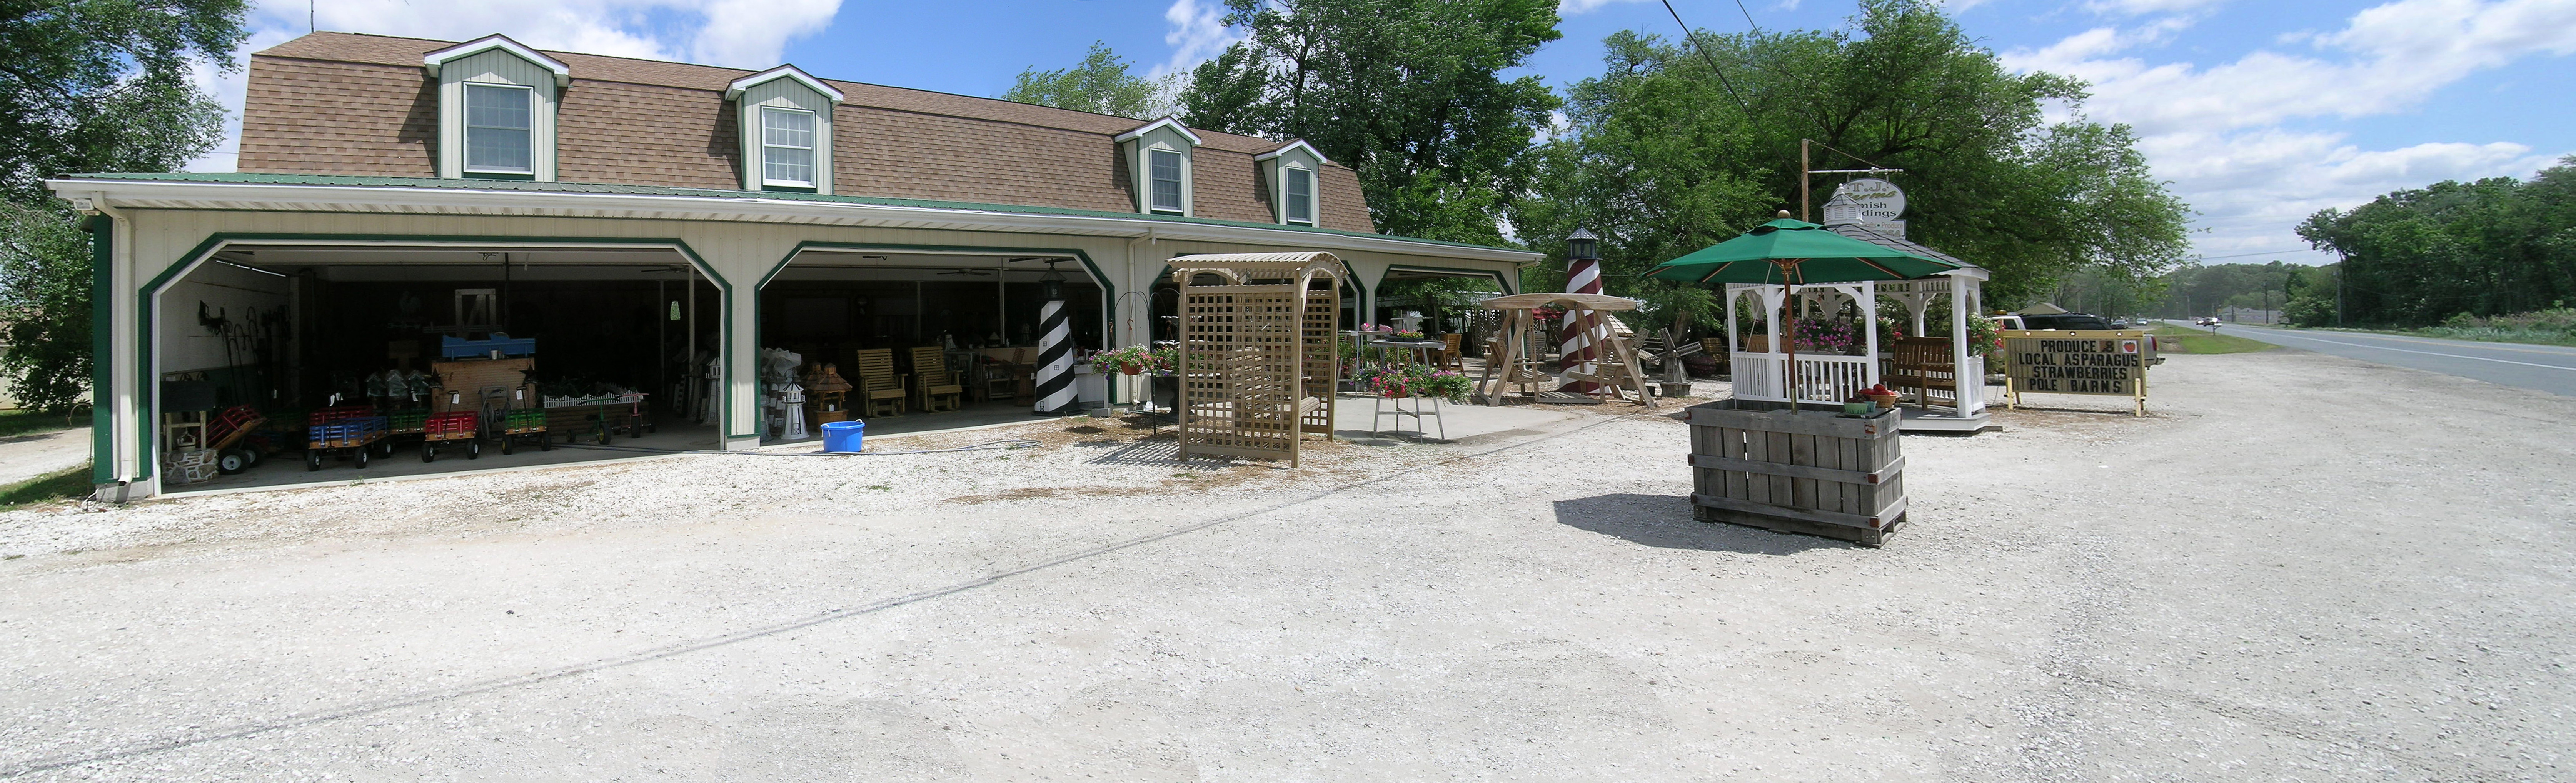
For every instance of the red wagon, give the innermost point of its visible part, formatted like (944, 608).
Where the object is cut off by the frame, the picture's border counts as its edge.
(458, 428)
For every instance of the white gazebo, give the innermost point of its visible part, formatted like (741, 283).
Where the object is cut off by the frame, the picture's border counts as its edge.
(1954, 401)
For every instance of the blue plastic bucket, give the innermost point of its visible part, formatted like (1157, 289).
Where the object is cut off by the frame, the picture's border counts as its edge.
(843, 435)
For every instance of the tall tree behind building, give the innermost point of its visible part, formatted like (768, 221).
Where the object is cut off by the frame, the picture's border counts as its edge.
(1406, 92)
(1673, 149)
(1101, 84)
(90, 85)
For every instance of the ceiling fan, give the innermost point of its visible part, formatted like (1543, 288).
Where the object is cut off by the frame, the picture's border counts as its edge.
(975, 272)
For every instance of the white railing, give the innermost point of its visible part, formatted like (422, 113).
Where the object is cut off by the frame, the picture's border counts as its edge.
(1972, 385)
(1824, 378)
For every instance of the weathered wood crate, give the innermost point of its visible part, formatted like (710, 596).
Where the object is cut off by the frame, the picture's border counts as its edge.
(1809, 472)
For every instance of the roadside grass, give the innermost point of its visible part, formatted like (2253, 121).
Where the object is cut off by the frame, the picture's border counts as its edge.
(2555, 326)
(67, 485)
(28, 421)
(2486, 334)
(2195, 340)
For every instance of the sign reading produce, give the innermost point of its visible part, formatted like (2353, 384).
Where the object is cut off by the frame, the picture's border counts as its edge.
(2078, 362)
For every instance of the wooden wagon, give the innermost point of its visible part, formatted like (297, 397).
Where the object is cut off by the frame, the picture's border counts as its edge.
(352, 430)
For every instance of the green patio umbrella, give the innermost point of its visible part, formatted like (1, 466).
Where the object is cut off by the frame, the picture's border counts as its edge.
(1795, 252)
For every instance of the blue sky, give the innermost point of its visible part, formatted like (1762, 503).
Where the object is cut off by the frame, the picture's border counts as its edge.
(2259, 112)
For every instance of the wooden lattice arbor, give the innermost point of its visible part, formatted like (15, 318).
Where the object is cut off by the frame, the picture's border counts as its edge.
(1260, 351)
(1516, 364)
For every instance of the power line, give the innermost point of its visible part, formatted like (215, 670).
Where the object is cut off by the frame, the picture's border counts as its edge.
(1693, 39)
(2263, 253)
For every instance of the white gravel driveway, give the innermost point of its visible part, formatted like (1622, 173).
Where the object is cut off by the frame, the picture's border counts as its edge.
(2278, 577)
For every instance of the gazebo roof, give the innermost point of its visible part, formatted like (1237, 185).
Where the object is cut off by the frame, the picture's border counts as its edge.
(1863, 233)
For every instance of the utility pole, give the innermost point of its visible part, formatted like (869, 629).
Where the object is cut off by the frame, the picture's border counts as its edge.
(1804, 172)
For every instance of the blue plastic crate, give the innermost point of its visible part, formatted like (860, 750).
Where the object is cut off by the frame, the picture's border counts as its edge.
(459, 348)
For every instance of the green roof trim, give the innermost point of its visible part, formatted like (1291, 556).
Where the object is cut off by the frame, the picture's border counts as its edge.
(772, 195)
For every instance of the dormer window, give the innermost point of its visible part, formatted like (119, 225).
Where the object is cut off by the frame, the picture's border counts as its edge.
(1158, 160)
(1290, 171)
(786, 147)
(1167, 181)
(496, 109)
(496, 130)
(1301, 196)
(786, 130)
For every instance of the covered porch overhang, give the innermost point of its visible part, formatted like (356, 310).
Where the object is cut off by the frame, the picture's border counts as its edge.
(157, 227)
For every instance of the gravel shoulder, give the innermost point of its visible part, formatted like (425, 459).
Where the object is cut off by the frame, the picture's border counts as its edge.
(2274, 577)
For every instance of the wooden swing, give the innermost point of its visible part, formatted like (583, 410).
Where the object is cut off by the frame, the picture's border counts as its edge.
(1515, 363)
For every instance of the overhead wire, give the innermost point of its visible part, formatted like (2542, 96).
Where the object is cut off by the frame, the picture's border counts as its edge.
(1693, 39)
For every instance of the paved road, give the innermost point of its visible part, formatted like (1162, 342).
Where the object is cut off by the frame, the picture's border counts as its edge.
(2546, 368)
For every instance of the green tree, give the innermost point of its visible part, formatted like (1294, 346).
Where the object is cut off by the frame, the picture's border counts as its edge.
(44, 307)
(2418, 257)
(1408, 93)
(88, 85)
(1667, 154)
(1101, 84)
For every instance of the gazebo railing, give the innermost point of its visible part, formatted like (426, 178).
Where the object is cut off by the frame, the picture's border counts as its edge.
(1822, 378)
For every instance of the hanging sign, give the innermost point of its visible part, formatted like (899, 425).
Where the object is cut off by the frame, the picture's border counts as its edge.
(2077, 362)
(1880, 201)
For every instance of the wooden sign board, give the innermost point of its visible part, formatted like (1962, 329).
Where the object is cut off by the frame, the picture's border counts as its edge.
(2078, 362)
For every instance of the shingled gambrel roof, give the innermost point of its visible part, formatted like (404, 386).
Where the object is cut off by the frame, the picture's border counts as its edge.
(352, 104)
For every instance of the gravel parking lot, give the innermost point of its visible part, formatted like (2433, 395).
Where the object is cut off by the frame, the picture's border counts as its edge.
(2300, 568)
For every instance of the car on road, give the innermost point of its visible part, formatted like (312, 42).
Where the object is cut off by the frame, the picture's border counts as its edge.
(2206, 320)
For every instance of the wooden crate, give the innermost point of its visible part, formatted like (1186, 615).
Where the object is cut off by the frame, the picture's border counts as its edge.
(1810, 472)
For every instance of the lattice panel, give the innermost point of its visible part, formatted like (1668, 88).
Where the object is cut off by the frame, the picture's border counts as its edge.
(1239, 364)
(1323, 359)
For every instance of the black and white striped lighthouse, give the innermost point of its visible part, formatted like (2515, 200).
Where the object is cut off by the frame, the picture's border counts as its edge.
(1055, 348)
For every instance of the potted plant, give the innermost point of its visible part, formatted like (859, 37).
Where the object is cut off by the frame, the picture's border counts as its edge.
(1131, 360)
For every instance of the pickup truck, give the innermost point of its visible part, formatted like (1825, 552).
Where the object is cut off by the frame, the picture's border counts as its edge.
(2068, 322)
(2058, 322)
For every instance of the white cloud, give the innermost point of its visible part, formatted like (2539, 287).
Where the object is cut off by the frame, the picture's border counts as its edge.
(2218, 133)
(1198, 34)
(735, 33)
(2395, 55)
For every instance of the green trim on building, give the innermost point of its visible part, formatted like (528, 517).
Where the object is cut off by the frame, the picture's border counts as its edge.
(1511, 285)
(147, 401)
(102, 347)
(332, 180)
(1108, 290)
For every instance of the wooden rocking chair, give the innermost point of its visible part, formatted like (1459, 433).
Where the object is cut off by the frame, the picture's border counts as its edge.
(880, 391)
(933, 382)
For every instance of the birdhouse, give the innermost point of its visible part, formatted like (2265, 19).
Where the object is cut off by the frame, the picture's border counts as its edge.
(826, 394)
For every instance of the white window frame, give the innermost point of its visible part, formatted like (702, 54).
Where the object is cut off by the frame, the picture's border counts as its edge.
(465, 160)
(1180, 183)
(813, 150)
(1288, 196)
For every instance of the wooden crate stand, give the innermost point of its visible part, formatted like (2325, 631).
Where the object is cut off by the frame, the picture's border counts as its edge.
(1260, 352)
(1808, 472)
